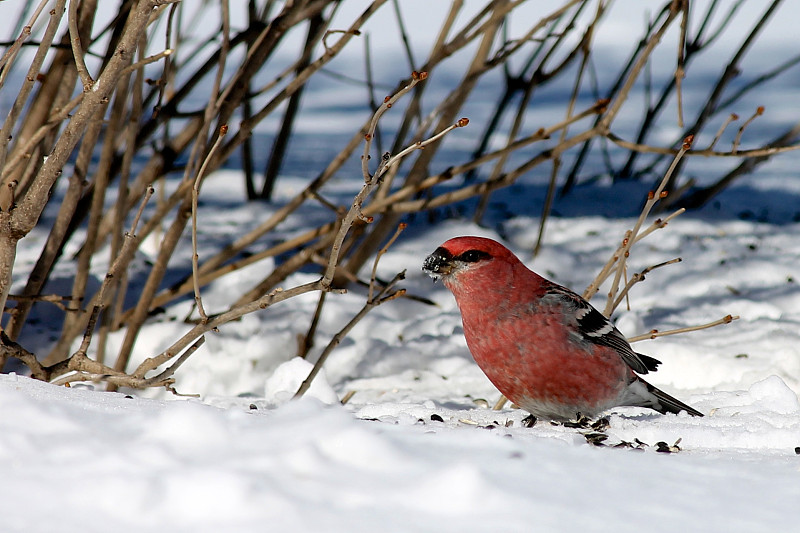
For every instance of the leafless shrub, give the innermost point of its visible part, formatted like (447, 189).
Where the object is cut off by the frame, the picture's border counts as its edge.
(113, 103)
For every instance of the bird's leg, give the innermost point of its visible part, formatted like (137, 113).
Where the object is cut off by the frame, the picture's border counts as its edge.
(529, 421)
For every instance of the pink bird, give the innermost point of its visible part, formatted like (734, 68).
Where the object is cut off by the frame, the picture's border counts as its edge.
(543, 346)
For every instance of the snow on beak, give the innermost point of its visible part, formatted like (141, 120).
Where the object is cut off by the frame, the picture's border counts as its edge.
(438, 264)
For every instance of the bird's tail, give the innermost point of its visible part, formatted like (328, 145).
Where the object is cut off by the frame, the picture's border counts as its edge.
(666, 403)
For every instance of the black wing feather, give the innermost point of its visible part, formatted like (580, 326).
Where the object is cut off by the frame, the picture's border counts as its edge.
(597, 329)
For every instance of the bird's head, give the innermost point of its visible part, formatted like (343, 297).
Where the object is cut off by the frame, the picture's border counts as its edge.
(461, 258)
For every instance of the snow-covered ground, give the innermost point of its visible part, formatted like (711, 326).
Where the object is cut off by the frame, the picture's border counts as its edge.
(417, 446)
(79, 461)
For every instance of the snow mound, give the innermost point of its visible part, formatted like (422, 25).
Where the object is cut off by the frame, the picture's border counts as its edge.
(282, 385)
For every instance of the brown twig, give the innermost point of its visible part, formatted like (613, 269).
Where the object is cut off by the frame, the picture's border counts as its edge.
(381, 298)
(214, 267)
(630, 238)
(378, 256)
(370, 86)
(638, 277)
(23, 153)
(9, 348)
(370, 181)
(347, 397)
(183, 196)
(128, 246)
(500, 403)
(412, 65)
(77, 51)
(759, 111)
(755, 152)
(653, 334)
(268, 300)
(195, 197)
(280, 143)
(54, 299)
(11, 54)
(328, 33)
(680, 70)
(278, 295)
(702, 195)
(608, 268)
(148, 60)
(732, 117)
(306, 342)
(551, 187)
(729, 73)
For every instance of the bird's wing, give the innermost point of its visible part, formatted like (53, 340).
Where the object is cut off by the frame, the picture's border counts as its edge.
(593, 327)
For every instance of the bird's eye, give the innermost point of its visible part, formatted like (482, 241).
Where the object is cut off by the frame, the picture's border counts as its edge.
(473, 256)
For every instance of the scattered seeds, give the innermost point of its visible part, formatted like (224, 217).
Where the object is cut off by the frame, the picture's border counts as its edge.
(347, 396)
(580, 422)
(601, 424)
(663, 447)
(480, 402)
(595, 438)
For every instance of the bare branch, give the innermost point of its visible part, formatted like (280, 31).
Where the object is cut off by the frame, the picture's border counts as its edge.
(195, 196)
(639, 276)
(276, 296)
(77, 52)
(148, 60)
(755, 152)
(759, 111)
(680, 71)
(380, 298)
(378, 256)
(653, 334)
(630, 238)
(128, 248)
(370, 181)
(10, 55)
(732, 117)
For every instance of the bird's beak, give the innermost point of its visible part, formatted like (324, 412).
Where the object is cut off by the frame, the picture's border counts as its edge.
(438, 264)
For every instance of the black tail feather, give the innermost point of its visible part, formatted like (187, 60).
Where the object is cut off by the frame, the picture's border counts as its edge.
(668, 404)
(650, 362)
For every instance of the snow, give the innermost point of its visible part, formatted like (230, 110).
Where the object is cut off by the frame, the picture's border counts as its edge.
(417, 447)
(284, 382)
(89, 460)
